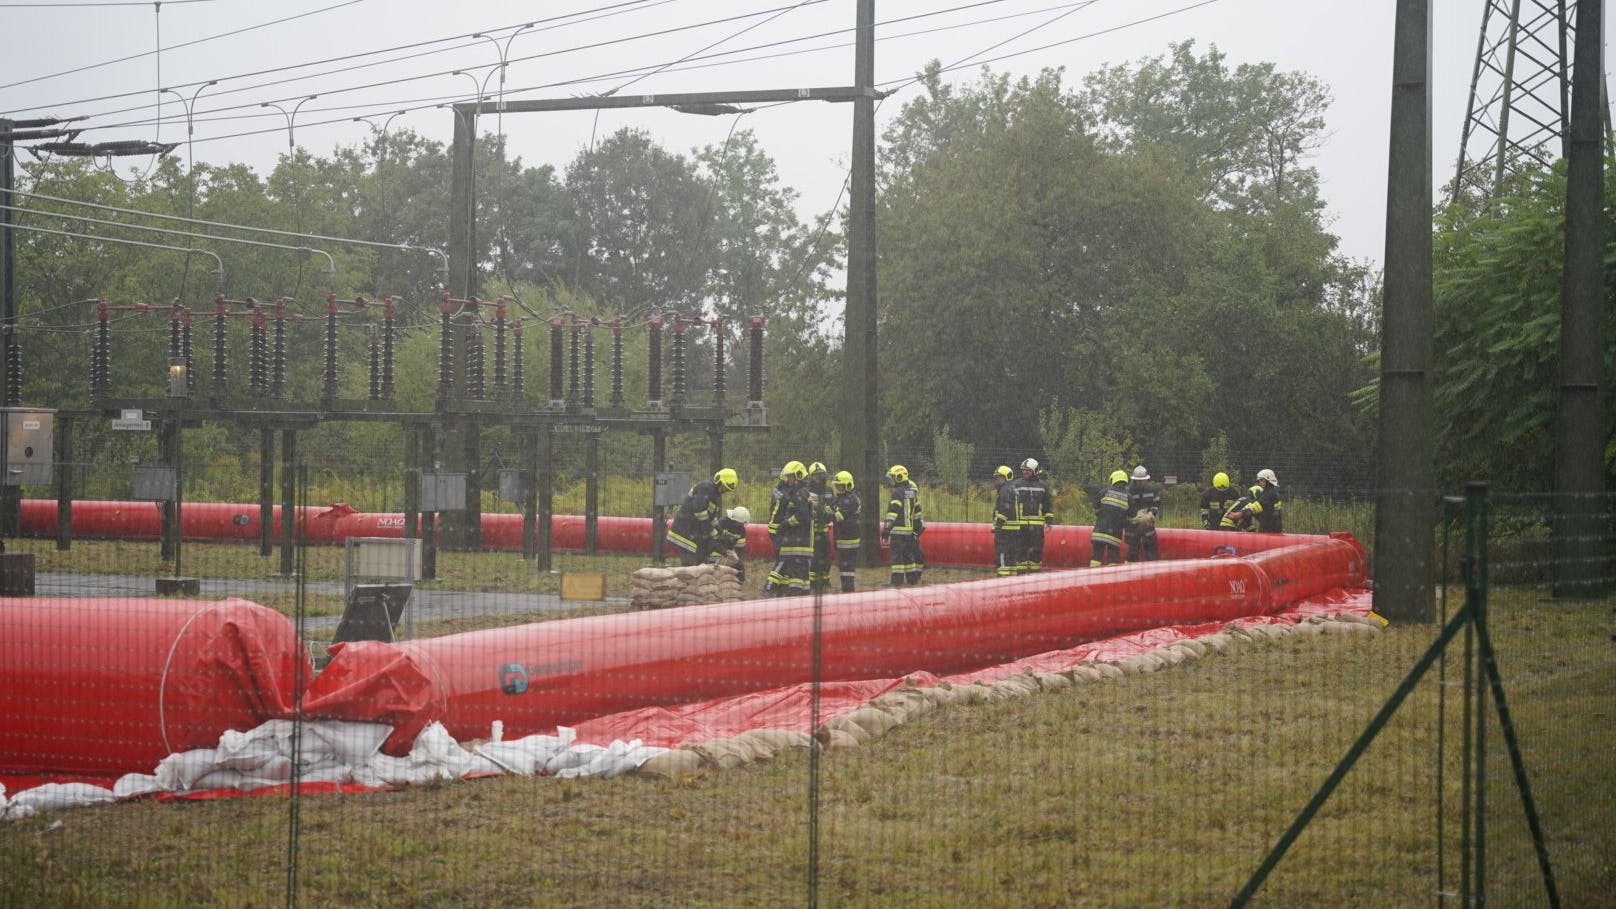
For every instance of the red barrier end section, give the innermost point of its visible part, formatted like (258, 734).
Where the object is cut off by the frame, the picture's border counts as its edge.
(109, 686)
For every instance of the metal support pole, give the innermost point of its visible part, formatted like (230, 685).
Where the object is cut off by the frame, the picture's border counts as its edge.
(591, 492)
(288, 500)
(659, 527)
(530, 493)
(462, 206)
(168, 442)
(64, 483)
(412, 482)
(546, 484)
(266, 491)
(1405, 497)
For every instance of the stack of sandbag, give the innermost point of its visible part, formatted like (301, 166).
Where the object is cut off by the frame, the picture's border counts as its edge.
(660, 588)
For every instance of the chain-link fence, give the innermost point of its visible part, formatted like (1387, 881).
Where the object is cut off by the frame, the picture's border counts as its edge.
(224, 719)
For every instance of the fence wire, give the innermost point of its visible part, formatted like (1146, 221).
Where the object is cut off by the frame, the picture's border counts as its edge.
(608, 731)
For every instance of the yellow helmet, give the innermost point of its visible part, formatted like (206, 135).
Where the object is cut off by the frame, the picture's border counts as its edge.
(816, 469)
(793, 470)
(1003, 472)
(726, 479)
(1220, 480)
(843, 481)
(1119, 476)
(898, 473)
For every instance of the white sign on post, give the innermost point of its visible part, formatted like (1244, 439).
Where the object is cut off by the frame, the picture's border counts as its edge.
(132, 420)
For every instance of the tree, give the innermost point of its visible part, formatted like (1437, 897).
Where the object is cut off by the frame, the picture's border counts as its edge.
(1018, 243)
(1031, 255)
(638, 226)
(1496, 299)
(1241, 134)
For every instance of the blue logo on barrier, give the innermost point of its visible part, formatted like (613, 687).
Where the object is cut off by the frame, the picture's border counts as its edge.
(512, 678)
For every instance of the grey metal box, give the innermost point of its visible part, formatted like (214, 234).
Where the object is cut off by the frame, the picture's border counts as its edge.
(512, 484)
(29, 455)
(443, 492)
(155, 484)
(671, 487)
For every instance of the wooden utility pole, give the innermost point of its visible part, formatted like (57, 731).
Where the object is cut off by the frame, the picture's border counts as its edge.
(1577, 532)
(1405, 478)
(860, 420)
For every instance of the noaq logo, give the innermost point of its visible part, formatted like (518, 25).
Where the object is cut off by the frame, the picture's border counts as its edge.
(512, 678)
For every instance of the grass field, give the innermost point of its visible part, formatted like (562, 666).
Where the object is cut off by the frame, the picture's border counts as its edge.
(1163, 789)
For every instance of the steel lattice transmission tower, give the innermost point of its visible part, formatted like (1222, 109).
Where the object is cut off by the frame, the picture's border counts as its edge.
(1520, 92)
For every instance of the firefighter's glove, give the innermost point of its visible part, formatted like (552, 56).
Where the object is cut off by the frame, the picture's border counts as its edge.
(920, 527)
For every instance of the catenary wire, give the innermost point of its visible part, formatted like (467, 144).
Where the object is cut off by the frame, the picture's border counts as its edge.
(611, 10)
(345, 113)
(228, 34)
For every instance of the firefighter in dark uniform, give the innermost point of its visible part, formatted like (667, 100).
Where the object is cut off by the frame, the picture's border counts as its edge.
(1144, 507)
(1237, 517)
(1267, 507)
(695, 525)
(1007, 540)
(1106, 541)
(791, 521)
(731, 537)
(819, 497)
(1216, 501)
(845, 512)
(1034, 509)
(902, 527)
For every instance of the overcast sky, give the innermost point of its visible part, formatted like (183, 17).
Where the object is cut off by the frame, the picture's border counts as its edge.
(376, 57)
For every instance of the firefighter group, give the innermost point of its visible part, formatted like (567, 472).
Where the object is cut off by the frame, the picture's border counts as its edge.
(808, 509)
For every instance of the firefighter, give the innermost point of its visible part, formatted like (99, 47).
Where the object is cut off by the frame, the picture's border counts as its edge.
(1007, 541)
(694, 526)
(1106, 540)
(845, 509)
(902, 527)
(791, 530)
(1034, 509)
(1266, 506)
(731, 537)
(819, 497)
(1237, 517)
(1216, 501)
(1144, 507)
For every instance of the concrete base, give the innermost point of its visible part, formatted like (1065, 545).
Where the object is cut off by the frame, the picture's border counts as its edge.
(179, 587)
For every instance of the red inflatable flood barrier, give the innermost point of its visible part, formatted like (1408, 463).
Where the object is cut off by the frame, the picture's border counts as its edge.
(107, 686)
(945, 543)
(532, 678)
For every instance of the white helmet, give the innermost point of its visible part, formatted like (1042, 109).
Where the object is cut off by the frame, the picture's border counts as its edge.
(739, 514)
(1140, 473)
(1266, 474)
(1030, 464)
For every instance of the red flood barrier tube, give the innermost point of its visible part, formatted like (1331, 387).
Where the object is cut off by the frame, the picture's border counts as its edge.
(533, 678)
(945, 543)
(108, 685)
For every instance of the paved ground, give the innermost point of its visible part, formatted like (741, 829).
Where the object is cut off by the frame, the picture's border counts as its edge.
(425, 605)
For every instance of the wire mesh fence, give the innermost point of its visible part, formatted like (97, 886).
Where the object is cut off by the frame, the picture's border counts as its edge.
(330, 723)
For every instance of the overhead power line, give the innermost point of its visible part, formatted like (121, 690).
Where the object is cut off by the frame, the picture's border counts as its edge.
(688, 63)
(149, 53)
(218, 263)
(331, 263)
(223, 224)
(614, 9)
